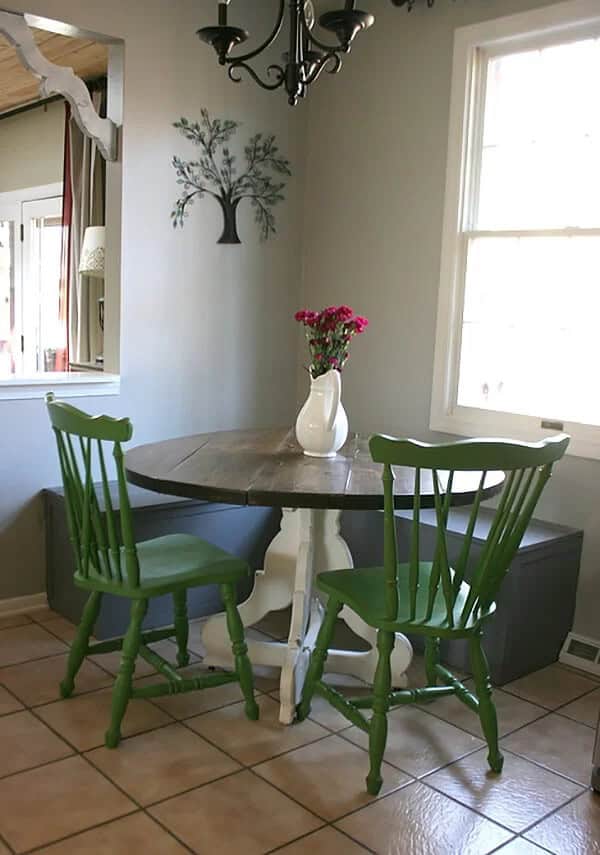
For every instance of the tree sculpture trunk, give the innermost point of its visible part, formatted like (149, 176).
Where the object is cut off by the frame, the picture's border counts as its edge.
(230, 233)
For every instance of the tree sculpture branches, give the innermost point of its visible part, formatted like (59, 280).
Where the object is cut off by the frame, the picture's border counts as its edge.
(216, 174)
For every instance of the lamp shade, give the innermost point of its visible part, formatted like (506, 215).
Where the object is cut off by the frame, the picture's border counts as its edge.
(91, 262)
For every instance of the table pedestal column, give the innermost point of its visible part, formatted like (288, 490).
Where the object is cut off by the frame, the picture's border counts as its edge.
(308, 542)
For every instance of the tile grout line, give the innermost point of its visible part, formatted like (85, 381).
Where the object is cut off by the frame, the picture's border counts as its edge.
(317, 831)
(521, 757)
(469, 807)
(43, 847)
(6, 843)
(572, 700)
(88, 761)
(330, 732)
(76, 753)
(252, 768)
(412, 778)
(547, 816)
(480, 813)
(517, 838)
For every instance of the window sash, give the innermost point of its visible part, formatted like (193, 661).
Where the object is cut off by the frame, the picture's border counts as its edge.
(21, 207)
(474, 47)
(32, 211)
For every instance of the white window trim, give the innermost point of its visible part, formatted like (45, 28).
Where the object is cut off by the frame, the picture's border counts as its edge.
(72, 384)
(573, 19)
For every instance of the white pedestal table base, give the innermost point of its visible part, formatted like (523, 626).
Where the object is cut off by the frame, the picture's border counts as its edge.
(308, 542)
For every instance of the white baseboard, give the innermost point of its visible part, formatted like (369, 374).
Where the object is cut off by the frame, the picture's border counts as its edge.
(20, 605)
(581, 652)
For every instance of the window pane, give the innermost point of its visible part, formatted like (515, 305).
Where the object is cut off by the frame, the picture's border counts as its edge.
(48, 315)
(9, 346)
(540, 163)
(529, 336)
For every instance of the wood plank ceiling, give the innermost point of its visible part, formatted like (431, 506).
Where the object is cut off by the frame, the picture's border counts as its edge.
(18, 87)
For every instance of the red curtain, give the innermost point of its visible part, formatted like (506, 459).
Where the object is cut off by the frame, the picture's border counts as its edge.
(62, 356)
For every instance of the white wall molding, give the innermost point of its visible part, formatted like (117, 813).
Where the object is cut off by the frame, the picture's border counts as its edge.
(21, 605)
(58, 80)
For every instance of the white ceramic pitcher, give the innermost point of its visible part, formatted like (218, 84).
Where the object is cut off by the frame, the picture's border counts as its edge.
(322, 424)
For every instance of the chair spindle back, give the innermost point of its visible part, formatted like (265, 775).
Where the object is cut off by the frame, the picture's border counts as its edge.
(528, 466)
(103, 547)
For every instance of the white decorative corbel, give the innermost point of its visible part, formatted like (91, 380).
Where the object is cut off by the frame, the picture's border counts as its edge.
(59, 80)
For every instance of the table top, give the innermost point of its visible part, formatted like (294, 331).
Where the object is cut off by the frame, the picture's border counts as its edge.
(267, 467)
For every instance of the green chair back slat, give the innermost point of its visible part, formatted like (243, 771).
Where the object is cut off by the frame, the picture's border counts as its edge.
(442, 566)
(132, 569)
(114, 547)
(73, 519)
(463, 559)
(390, 549)
(414, 546)
(102, 548)
(528, 466)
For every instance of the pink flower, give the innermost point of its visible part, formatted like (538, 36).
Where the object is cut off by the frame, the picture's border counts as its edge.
(344, 313)
(306, 317)
(329, 333)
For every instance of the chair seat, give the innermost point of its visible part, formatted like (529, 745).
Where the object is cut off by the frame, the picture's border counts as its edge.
(171, 562)
(363, 589)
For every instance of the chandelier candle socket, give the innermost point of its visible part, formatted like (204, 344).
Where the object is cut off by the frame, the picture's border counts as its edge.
(322, 424)
(307, 56)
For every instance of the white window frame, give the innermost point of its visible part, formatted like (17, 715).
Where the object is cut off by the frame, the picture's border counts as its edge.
(73, 384)
(473, 45)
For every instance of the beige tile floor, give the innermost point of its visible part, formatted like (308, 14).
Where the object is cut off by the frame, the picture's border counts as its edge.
(193, 775)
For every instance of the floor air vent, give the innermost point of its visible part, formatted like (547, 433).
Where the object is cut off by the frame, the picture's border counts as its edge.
(582, 653)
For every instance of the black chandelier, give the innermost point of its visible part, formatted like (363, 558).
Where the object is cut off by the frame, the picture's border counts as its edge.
(307, 56)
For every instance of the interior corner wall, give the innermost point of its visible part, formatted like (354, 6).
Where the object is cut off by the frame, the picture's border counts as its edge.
(205, 328)
(375, 181)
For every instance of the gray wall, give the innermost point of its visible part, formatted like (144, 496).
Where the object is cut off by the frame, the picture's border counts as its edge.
(205, 328)
(206, 337)
(377, 139)
(31, 148)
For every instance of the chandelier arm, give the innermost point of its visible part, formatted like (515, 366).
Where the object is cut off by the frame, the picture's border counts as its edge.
(267, 43)
(321, 66)
(327, 48)
(263, 84)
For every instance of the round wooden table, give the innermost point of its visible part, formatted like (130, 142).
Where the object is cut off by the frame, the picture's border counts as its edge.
(267, 467)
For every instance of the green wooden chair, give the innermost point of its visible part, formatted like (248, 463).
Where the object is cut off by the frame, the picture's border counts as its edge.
(432, 598)
(108, 560)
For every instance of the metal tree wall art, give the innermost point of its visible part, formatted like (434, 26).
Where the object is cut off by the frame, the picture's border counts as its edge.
(215, 173)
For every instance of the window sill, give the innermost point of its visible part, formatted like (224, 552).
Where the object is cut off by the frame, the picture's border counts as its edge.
(468, 422)
(66, 384)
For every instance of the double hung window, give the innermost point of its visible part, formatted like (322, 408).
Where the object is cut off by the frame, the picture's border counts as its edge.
(518, 340)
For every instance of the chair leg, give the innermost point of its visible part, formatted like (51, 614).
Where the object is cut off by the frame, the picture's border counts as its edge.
(79, 646)
(432, 658)
(123, 683)
(487, 709)
(182, 627)
(382, 687)
(240, 650)
(318, 657)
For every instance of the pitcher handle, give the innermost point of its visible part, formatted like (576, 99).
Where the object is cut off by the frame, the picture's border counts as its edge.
(335, 403)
